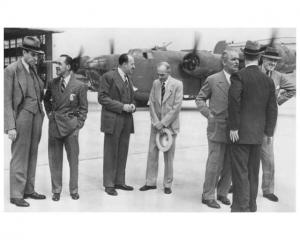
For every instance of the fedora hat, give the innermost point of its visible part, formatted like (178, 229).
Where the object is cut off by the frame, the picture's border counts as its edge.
(164, 140)
(271, 53)
(33, 44)
(252, 48)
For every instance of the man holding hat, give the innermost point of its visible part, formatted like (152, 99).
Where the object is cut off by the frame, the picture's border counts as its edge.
(252, 112)
(284, 90)
(23, 119)
(164, 105)
(215, 89)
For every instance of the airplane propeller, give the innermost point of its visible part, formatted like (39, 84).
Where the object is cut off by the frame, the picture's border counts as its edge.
(196, 42)
(112, 46)
(76, 63)
(272, 40)
(191, 60)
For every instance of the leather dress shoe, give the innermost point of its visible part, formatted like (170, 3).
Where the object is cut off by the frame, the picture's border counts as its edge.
(74, 196)
(211, 203)
(230, 189)
(271, 196)
(146, 188)
(223, 200)
(35, 195)
(167, 190)
(20, 202)
(123, 187)
(111, 191)
(56, 197)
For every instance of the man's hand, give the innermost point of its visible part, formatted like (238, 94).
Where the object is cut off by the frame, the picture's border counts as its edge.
(210, 115)
(234, 135)
(76, 132)
(133, 108)
(159, 126)
(269, 140)
(50, 114)
(12, 134)
(127, 108)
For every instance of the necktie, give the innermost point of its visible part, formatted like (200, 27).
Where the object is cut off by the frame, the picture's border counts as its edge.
(268, 73)
(63, 85)
(126, 80)
(163, 89)
(34, 77)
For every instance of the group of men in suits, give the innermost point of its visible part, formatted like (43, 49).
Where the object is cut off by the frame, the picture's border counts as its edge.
(242, 115)
(116, 97)
(66, 106)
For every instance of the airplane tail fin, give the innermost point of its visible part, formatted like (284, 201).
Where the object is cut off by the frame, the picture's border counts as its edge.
(220, 47)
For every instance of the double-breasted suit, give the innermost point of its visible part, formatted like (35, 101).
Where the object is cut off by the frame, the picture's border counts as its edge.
(67, 111)
(215, 89)
(23, 111)
(253, 112)
(284, 90)
(166, 111)
(116, 124)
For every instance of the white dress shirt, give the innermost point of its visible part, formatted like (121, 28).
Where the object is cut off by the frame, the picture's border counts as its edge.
(123, 75)
(25, 64)
(227, 76)
(67, 79)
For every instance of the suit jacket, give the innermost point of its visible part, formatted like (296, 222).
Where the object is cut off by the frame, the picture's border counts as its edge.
(110, 97)
(284, 88)
(166, 111)
(15, 88)
(252, 105)
(66, 111)
(215, 89)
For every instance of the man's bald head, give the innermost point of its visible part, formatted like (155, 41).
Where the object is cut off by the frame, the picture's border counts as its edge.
(163, 71)
(230, 60)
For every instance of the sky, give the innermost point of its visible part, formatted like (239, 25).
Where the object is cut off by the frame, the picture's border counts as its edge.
(95, 41)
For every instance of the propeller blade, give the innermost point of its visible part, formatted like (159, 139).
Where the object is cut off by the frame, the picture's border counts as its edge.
(112, 46)
(76, 63)
(191, 60)
(196, 42)
(274, 36)
(272, 40)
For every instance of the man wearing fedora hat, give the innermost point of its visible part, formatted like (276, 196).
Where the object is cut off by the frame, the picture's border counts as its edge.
(215, 89)
(23, 119)
(164, 105)
(284, 90)
(252, 112)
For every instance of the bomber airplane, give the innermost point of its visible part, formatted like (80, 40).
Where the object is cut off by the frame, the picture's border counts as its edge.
(192, 67)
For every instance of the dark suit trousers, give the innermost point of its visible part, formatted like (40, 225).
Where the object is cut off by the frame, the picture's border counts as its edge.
(245, 162)
(55, 153)
(115, 151)
(24, 153)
